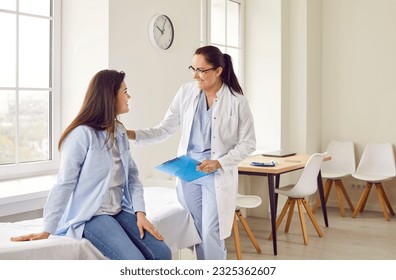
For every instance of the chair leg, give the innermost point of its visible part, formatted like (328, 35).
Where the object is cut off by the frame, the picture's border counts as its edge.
(248, 230)
(312, 217)
(362, 200)
(327, 189)
(282, 214)
(346, 196)
(302, 221)
(339, 197)
(340, 189)
(385, 198)
(369, 185)
(236, 238)
(290, 216)
(301, 203)
(382, 203)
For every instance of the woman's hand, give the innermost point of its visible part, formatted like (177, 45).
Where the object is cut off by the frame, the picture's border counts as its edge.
(144, 224)
(208, 166)
(31, 237)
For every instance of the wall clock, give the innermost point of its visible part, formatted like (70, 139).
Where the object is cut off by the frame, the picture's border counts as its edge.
(161, 32)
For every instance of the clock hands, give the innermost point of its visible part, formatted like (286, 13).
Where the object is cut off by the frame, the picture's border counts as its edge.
(162, 32)
(163, 27)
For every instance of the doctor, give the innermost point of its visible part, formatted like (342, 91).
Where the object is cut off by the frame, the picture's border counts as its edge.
(217, 129)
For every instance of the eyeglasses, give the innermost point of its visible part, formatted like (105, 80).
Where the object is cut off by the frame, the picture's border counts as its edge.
(199, 71)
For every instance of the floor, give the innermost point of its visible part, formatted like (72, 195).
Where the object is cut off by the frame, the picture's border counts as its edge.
(366, 237)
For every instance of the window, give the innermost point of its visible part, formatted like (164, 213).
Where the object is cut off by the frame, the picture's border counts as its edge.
(223, 24)
(29, 86)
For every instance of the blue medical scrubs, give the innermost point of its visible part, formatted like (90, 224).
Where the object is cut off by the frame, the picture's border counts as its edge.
(199, 195)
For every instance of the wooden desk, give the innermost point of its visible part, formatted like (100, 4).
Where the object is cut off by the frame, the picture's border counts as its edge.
(283, 165)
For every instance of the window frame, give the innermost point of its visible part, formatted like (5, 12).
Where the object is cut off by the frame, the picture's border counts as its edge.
(206, 34)
(27, 169)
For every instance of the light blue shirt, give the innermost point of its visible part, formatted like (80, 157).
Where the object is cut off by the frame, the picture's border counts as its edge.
(199, 146)
(84, 177)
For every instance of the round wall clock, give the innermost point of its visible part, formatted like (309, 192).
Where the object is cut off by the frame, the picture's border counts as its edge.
(161, 32)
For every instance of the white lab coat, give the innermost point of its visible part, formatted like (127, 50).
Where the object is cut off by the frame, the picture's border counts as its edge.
(233, 139)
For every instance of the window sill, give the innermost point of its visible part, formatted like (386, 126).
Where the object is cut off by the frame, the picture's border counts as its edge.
(24, 195)
(29, 194)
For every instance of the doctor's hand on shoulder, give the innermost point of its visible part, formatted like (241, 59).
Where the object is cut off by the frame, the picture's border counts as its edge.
(131, 134)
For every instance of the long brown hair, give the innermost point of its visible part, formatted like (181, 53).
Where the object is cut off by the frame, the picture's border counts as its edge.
(216, 58)
(98, 109)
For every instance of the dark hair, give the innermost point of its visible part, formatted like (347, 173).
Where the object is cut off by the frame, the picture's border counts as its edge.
(98, 109)
(217, 59)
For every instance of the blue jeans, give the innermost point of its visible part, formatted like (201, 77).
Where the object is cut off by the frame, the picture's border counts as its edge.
(118, 238)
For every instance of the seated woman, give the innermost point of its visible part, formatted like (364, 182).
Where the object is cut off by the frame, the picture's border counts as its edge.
(98, 194)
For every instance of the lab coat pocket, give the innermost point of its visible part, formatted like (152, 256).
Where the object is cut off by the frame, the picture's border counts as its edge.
(228, 130)
(223, 179)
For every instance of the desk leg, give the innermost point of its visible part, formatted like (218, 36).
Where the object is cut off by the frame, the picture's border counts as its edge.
(322, 198)
(277, 182)
(271, 190)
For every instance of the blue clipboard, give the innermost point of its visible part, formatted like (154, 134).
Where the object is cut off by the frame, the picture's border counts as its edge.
(182, 167)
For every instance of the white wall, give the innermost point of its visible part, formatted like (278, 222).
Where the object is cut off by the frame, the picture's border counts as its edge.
(338, 69)
(114, 34)
(284, 79)
(263, 85)
(359, 70)
(263, 70)
(301, 25)
(359, 84)
(153, 76)
(301, 77)
(85, 40)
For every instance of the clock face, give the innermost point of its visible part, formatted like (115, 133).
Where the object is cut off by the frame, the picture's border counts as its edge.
(161, 32)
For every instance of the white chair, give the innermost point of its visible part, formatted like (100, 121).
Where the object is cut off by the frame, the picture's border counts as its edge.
(244, 201)
(376, 165)
(341, 165)
(306, 185)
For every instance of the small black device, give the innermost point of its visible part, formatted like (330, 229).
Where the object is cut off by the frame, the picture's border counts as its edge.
(263, 164)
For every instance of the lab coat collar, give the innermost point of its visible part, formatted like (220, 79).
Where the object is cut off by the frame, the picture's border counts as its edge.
(221, 90)
(219, 93)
